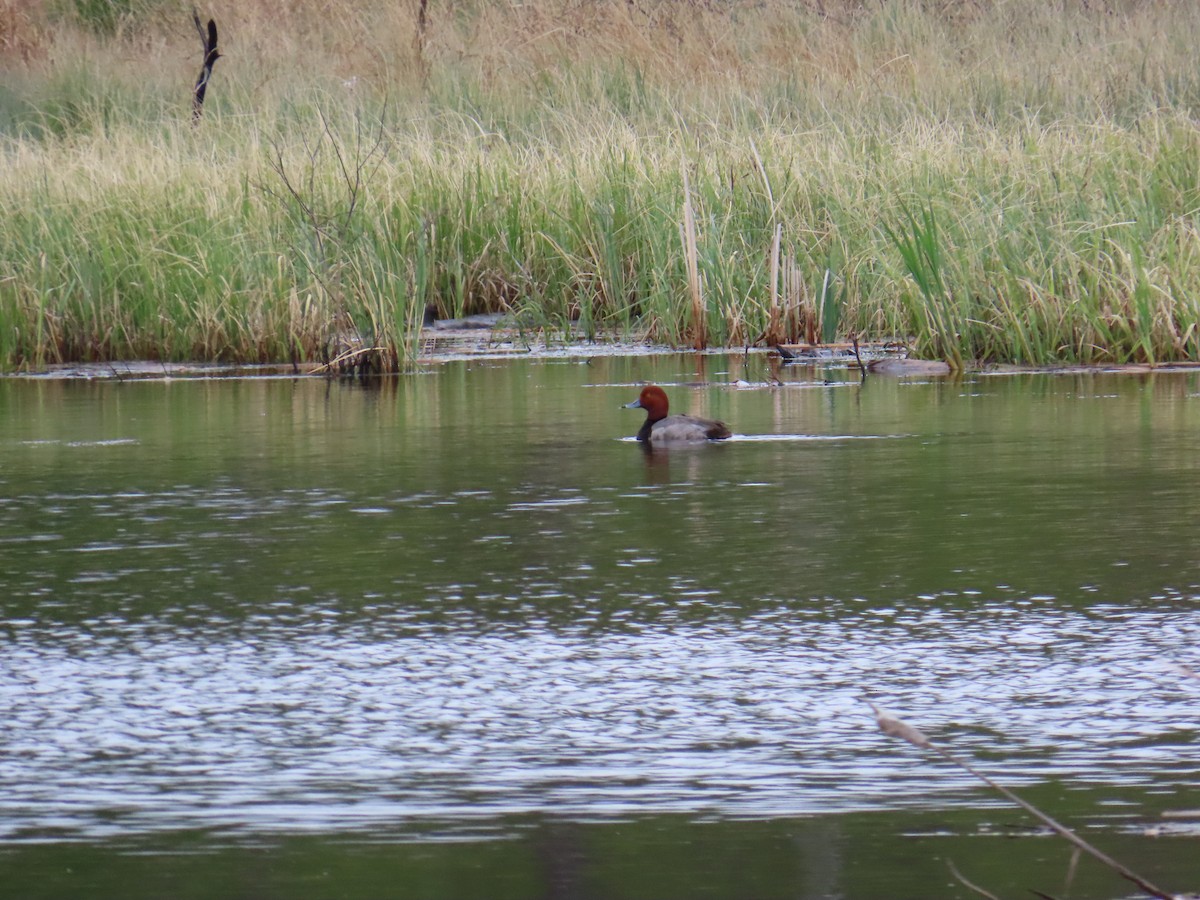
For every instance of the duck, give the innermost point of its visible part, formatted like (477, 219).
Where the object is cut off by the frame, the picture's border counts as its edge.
(659, 428)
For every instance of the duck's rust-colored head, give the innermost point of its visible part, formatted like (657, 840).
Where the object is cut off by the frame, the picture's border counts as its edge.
(653, 400)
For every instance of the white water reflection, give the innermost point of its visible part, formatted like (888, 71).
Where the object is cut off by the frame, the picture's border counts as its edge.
(295, 719)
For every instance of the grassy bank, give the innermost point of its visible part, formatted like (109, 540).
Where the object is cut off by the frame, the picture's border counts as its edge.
(1011, 181)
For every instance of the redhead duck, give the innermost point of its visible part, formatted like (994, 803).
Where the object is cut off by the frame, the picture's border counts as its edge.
(661, 428)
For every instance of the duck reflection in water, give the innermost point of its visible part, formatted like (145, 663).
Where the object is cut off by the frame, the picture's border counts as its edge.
(660, 428)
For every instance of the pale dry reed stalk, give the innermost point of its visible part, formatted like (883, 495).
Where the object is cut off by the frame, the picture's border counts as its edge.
(699, 325)
(897, 728)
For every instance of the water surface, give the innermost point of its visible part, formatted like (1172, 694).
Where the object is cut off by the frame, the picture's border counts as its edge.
(454, 622)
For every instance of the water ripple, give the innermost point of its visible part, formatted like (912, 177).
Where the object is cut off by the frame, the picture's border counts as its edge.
(291, 726)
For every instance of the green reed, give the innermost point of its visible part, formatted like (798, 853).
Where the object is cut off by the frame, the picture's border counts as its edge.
(1020, 210)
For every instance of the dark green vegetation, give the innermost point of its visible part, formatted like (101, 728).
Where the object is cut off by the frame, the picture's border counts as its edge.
(999, 182)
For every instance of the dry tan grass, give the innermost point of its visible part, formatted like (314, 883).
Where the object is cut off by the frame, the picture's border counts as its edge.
(840, 52)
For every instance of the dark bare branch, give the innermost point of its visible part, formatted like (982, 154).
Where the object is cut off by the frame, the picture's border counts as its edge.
(209, 41)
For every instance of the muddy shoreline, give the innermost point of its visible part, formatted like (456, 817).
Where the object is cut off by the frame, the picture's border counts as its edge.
(442, 346)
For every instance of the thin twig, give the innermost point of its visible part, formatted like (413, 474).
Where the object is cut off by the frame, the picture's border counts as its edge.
(1071, 868)
(351, 358)
(896, 728)
(974, 887)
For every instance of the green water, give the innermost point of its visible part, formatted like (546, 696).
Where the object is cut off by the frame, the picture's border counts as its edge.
(451, 635)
